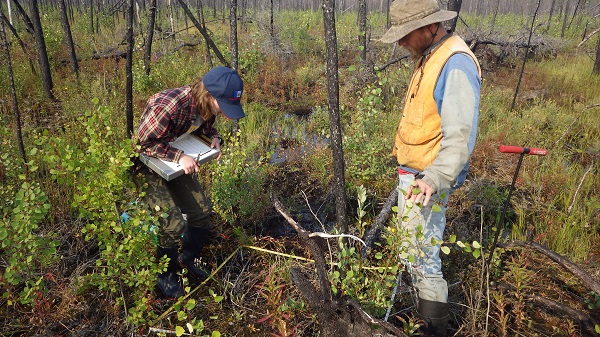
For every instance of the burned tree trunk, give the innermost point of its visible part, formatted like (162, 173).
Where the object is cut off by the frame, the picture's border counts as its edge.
(597, 62)
(233, 34)
(69, 37)
(129, 70)
(13, 91)
(203, 32)
(333, 90)
(362, 29)
(454, 5)
(149, 37)
(512, 106)
(42, 53)
(14, 32)
(337, 315)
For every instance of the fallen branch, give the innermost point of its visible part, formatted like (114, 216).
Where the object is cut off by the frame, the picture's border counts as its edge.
(564, 310)
(588, 280)
(374, 232)
(337, 315)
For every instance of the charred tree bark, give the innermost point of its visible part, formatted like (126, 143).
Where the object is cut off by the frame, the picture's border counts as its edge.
(203, 23)
(333, 90)
(362, 29)
(19, 40)
(204, 33)
(92, 17)
(512, 106)
(494, 15)
(337, 315)
(26, 19)
(233, 34)
(588, 280)
(373, 233)
(149, 37)
(455, 6)
(42, 54)
(13, 92)
(271, 22)
(67, 28)
(129, 70)
(597, 62)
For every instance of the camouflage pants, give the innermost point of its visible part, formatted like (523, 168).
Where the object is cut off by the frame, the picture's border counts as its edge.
(183, 199)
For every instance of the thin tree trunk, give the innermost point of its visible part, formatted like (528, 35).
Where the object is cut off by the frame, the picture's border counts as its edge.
(597, 62)
(19, 40)
(44, 64)
(494, 15)
(204, 33)
(149, 37)
(512, 106)
(574, 13)
(92, 18)
(67, 28)
(171, 20)
(552, 7)
(26, 18)
(455, 6)
(203, 23)
(333, 90)
(565, 15)
(271, 21)
(233, 34)
(13, 92)
(362, 29)
(128, 70)
(10, 19)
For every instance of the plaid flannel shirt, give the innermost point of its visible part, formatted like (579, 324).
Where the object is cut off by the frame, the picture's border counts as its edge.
(167, 115)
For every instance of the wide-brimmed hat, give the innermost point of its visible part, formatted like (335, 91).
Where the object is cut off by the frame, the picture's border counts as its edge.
(408, 15)
(226, 86)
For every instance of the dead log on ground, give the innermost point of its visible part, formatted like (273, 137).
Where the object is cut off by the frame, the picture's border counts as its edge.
(560, 308)
(336, 315)
(588, 280)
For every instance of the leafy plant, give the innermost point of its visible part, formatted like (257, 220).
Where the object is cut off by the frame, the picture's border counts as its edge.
(237, 184)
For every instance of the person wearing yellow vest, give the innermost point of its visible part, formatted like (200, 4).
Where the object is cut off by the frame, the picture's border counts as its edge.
(433, 142)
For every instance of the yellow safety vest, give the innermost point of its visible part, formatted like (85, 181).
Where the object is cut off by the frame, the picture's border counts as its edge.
(419, 132)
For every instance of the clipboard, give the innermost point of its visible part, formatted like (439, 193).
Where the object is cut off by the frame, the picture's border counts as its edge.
(191, 145)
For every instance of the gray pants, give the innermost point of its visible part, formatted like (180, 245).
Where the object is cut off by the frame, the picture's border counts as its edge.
(423, 224)
(182, 199)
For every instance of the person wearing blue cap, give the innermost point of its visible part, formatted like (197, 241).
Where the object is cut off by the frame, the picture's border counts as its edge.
(166, 116)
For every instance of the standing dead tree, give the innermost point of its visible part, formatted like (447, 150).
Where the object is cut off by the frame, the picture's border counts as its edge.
(333, 93)
(42, 53)
(129, 70)
(512, 106)
(149, 37)
(233, 34)
(204, 33)
(13, 91)
(69, 37)
(337, 315)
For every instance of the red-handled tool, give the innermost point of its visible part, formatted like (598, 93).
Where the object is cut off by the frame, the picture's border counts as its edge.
(522, 150)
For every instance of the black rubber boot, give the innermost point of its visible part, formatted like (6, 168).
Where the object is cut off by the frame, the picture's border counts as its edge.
(168, 282)
(435, 316)
(192, 243)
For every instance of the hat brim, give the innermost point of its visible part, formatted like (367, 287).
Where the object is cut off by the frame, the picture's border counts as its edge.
(395, 33)
(231, 109)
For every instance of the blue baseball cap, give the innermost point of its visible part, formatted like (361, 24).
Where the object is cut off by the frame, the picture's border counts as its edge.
(226, 86)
